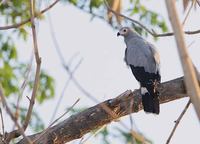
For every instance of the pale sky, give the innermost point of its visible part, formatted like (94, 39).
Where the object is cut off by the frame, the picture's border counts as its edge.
(105, 75)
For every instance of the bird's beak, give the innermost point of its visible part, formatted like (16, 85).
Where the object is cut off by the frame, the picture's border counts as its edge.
(118, 34)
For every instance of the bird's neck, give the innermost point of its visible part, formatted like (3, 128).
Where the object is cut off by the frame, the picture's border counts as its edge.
(132, 37)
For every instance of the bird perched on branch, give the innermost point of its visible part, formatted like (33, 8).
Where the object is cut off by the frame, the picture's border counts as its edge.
(144, 62)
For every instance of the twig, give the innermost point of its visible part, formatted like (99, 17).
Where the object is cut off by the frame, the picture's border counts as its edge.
(82, 141)
(131, 123)
(136, 135)
(178, 121)
(198, 2)
(29, 19)
(130, 116)
(23, 86)
(17, 133)
(66, 67)
(192, 4)
(38, 63)
(190, 44)
(121, 15)
(190, 78)
(55, 42)
(20, 129)
(152, 32)
(69, 63)
(2, 122)
(37, 138)
(63, 92)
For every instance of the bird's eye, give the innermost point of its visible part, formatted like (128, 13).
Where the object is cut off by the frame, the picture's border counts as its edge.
(124, 30)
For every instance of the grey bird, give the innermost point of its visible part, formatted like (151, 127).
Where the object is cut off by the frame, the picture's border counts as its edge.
(144, 61)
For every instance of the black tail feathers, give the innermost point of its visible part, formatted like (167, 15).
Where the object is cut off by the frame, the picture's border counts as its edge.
(150, 103)
(150, 100)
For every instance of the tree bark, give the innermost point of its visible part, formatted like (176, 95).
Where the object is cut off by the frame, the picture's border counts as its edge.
(94, 117)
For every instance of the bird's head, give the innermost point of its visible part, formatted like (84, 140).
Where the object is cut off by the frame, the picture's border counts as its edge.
(124, 31)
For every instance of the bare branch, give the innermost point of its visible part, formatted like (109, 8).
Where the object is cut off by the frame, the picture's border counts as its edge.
(97, 116)
(63, 92)
(152, 32)
(38, 62)
(28, 20)
(178, 121)
(56, 121)
(66, 67)
(16, 133)
(23, 86)
(20, 129)
(198, 2)
(192, 4)
(83, 141)
(2, 123)
(190, 78)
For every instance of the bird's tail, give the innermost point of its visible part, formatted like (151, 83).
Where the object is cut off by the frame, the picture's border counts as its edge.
(150, 98)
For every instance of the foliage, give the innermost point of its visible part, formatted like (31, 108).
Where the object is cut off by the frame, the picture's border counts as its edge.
(8, 56)
(45, 89)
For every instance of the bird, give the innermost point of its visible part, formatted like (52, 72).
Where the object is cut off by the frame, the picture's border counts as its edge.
(144, 60)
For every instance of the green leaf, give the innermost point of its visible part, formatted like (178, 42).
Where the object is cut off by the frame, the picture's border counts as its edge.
(23, 33)
(74, 2)
(95, 4)
(163, 26)
(46, 87)
(154, 17)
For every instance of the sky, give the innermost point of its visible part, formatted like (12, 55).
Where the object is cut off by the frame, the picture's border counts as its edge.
(104, 74)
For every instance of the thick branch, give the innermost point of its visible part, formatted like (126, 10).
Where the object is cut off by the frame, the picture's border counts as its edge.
(92, 118)
(191, 81)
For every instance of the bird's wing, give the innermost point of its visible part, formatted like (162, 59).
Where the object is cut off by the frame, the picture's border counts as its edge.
(125, 56)
(155, 55)
(140, 53)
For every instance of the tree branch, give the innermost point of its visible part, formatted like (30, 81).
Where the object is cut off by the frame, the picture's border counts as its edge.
(38, 65)
(178, 121)
(152, 32)
(191, 81)
(187, 14)
(92, 118)
(28, 20)
(16, 133)
(20, 129)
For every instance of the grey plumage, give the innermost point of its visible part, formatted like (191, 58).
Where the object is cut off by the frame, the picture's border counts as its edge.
(144, 61)
(139, 52)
